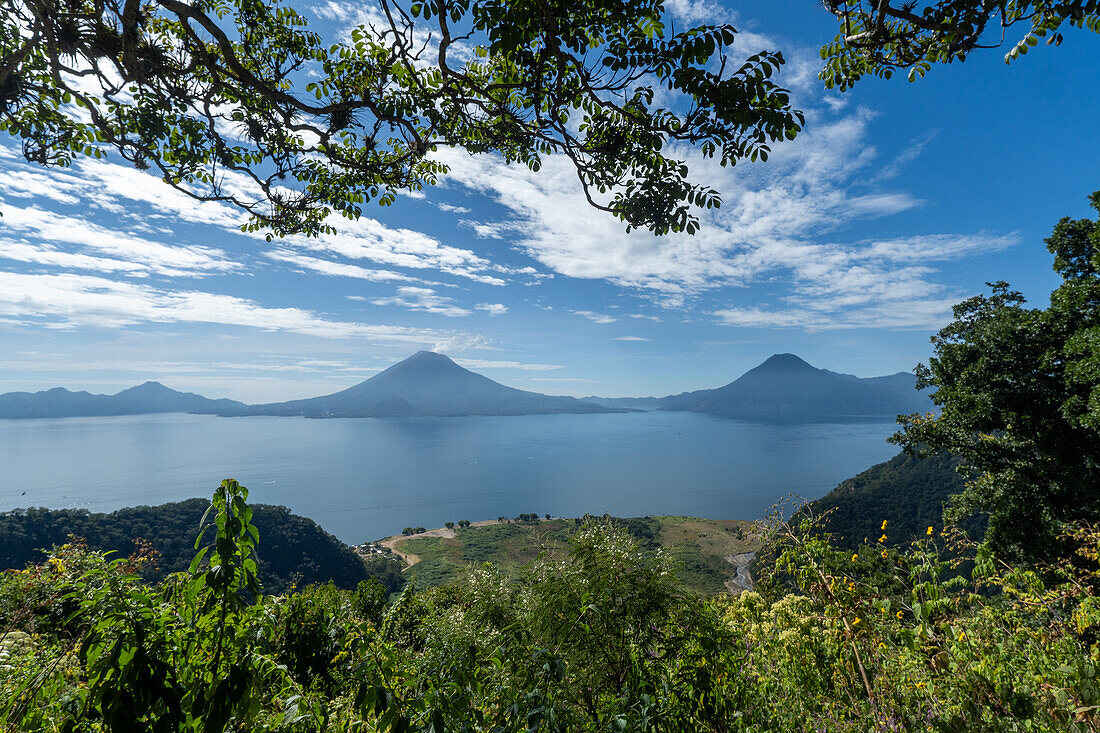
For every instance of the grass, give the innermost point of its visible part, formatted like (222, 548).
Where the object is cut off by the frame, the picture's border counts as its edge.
(699, 547)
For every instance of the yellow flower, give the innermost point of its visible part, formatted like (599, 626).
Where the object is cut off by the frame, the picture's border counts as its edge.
(899, 614)
(882, 538)
(856, 622)
(855, 557)
(884, 553)
(929, 532)
(883, 525)
(962, 635)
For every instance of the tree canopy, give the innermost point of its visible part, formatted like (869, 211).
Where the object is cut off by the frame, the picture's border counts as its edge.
(1019, 390)
(295, 549)
(239, 101)
(880, 37)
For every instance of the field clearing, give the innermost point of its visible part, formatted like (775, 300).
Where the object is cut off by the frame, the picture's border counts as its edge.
(711, 556)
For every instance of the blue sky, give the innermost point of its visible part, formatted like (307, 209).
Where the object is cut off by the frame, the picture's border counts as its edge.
(848, 248)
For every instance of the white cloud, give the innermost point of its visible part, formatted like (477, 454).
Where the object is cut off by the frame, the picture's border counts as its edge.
(425, 300)
(921, 314)
(340, 269)
(596, 317)
(147, 367)
(757, 318)
(34, 184)
(138, 200)
(805, 189)
(493, 309)
(117, 188)
(698, 11)
(630, 338)
(67, 301)
(487, 231)
(906, 156)
(112, 188)
(875, 284)
(775, 223)
(370, 239)
(462, 342)
(141, 254)
(45, 254)
(494, 364)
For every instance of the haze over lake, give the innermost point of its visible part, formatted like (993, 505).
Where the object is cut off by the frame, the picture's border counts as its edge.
(363, 479)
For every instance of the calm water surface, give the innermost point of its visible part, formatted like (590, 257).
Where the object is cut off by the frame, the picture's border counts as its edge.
(363, 479)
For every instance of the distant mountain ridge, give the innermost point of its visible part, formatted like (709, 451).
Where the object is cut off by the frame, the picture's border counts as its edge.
(147, 398)
(643, 404)
(785, 387)
(426, 384)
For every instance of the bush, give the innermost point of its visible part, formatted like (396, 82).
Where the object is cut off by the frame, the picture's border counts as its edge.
(370, 600)
(937, 636)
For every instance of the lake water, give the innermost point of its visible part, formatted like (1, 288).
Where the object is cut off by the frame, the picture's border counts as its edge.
(363, 479)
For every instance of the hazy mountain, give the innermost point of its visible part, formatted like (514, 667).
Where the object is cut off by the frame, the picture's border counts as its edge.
(425, 384)
(787, 388)
(782, 388)
(144, 399)
(626, 403)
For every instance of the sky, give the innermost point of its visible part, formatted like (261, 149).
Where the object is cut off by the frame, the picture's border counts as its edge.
(848, 247)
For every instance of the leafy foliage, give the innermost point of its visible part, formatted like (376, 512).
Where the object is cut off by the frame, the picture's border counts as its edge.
(295, 549)
(909, 492)
(239, 102)
(599, 638)
(1019, 390)
(698, 548)
(881, 37)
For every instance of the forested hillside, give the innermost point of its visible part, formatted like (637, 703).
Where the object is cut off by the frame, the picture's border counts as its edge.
(595, 638)
(908, 492)
(294, 549)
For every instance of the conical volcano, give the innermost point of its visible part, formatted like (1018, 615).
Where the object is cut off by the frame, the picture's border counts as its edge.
(427, 384)
(785, 387)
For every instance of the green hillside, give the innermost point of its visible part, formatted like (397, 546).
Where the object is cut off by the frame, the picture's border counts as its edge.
(598, 637)
(699, 548)
(909, 493)
(294, 549)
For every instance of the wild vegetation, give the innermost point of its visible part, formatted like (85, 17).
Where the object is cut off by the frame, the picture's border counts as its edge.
(698, 548)
(599, 637)
(940, 633)
(295, 549)
(1019, 391)
(909, 492)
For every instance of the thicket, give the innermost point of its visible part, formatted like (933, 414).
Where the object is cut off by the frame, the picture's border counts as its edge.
(907, 491)
(599, 638)
(296, 551)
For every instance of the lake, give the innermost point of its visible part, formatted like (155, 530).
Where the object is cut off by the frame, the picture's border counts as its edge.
(364, 479)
